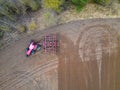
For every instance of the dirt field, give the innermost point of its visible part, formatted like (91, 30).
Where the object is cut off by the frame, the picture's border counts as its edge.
(88, 59)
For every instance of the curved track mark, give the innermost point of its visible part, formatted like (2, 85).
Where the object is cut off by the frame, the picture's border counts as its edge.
(38, 70)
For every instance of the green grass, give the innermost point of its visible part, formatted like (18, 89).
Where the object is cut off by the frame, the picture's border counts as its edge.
(32, 26)
(80, 4)
(53, 4)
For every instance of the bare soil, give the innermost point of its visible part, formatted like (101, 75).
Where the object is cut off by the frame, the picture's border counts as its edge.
(88, 59)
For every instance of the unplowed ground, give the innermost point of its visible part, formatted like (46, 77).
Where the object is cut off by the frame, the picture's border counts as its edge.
(88, 59)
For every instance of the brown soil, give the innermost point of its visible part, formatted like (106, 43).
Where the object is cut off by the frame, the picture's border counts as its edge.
(88, 59)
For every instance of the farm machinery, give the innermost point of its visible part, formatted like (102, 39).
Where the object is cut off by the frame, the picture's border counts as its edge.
(49, 43)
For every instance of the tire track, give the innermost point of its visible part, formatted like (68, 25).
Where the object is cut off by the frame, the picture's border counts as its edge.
(8, 75)
(109, 34)
(87, 31)
(27, 78)
(37, 70)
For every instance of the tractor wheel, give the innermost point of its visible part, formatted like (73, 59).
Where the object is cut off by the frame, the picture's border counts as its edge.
(27, 55)
(33, 52)
(38, 47)
(27, 49)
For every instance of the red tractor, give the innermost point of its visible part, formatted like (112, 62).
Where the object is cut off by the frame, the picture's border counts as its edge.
(48, 42)
(32, 48)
